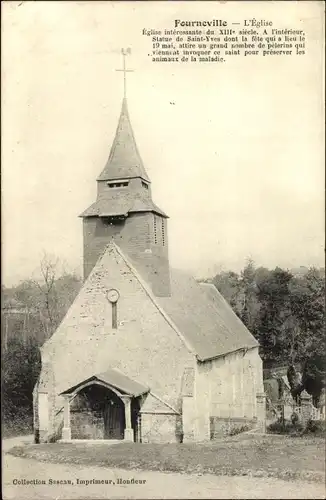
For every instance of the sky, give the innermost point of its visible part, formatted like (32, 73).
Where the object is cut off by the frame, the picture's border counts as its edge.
(237, 161)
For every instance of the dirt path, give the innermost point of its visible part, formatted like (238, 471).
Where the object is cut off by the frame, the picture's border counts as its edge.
(158, 485)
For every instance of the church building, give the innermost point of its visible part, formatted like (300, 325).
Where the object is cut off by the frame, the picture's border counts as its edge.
(145, 352)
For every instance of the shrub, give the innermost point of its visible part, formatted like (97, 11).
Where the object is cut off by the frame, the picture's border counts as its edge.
(17, 424)
(238, 430)
(286, 427)
(316, 427)
(21, 365)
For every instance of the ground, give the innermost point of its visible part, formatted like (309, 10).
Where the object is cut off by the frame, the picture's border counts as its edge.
(161, 484)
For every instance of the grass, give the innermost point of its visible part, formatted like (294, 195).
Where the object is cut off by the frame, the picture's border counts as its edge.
(261, 456)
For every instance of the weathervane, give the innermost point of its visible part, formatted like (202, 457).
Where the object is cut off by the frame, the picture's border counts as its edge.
(124, 53)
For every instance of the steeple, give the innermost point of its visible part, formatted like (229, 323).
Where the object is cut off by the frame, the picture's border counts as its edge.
(125, 212)
(124, 161)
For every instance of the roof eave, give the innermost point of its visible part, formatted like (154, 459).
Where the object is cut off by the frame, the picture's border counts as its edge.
(163, 214)
(116, 177)
(158, 212)
(96, 378)
(203, 359)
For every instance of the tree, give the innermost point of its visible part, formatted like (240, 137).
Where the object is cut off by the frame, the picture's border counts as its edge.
(308, 307)
(228, 284)
(251, 306)
(49, 270)
(314, 376)
(21, 367)
(48, 297)
(275, 311)
(42, 305)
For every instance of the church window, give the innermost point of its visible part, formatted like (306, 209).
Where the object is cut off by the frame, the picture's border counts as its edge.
(117, 184)
(144, 184)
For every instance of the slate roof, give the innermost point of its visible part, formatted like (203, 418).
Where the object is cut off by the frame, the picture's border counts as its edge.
(103, 208)
(115, 379)
(120, 206)
(204, 317)
(124, 160)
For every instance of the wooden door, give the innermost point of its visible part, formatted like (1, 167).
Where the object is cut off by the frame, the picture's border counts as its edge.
(114, 420)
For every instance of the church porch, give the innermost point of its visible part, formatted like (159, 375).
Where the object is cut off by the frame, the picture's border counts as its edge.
(103, 407)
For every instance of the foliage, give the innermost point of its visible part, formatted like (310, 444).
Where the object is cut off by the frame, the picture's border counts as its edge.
(20, 370)
(33, 310)
(295, 427)
(21, 424)
(285, 311)
(21, 365)
(239, 430)
(317, 427)
(313, 376)
(285, 427)
(42, 303)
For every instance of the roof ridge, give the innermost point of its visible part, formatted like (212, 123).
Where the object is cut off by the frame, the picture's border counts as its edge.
(153, 298)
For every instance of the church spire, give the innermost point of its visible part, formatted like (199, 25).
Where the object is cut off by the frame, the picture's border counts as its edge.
(124, 160)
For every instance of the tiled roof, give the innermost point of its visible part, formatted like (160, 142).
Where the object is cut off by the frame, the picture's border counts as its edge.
(204, 317)
(117, 380)
(124, 160)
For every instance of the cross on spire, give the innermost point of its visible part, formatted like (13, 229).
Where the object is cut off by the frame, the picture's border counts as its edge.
(124, 53)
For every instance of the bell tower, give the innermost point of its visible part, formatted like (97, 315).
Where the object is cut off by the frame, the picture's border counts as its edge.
(125, 212)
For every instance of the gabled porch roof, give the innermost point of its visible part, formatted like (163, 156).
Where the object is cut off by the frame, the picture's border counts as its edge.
(112, 378)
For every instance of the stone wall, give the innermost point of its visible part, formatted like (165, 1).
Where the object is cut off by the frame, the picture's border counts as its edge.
(228, 385)
(160, 428)
(188, 418)
(222, 426)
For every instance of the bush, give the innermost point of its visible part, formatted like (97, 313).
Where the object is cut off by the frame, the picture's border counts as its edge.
(21, 366)
(19, 424)
(317, 427)
(238, 430)
(286, 427)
